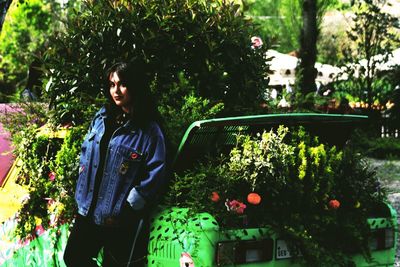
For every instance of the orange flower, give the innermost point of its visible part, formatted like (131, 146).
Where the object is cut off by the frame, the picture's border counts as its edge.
(214, 197)
(254, 198)
(334, 204)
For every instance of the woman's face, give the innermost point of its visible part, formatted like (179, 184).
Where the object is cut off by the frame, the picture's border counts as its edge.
(119, 92)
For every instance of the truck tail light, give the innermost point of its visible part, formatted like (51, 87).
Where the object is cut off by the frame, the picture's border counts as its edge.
(382, 239)
(244, 251)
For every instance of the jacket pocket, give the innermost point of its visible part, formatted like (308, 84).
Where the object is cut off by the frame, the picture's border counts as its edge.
(129, 162)
(126, 168)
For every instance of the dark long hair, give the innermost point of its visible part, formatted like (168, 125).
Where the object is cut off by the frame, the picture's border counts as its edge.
(137, 79)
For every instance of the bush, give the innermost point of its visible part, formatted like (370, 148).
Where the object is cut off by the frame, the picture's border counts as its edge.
(50, 168)
(191, 48)
(377, 147)
(22, 117)
(313, 195)
(382, 88)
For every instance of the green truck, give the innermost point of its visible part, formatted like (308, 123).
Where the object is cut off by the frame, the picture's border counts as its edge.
(199, 241)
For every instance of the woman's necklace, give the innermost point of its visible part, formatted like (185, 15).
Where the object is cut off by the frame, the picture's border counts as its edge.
(121, 119)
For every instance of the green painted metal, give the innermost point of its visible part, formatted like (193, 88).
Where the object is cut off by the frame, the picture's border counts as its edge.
(177, 230)
(45, 251)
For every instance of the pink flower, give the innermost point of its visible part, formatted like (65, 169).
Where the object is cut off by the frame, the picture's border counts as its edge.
(39, 230)
(256, 42)
(25, 241)
(235, 206)
(52, 176)
(186, 260)
(49, 200)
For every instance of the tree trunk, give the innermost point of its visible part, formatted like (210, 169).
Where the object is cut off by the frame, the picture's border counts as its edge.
(308, 48)
(4, 5)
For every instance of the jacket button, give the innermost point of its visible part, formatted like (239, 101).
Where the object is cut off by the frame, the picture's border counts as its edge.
(110, 221)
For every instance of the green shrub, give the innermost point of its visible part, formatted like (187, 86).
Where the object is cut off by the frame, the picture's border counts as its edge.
(50, 167)
(181, 110)
(376, 147)
(21, 117)
(313, 195)
(382, 88)
(382, 148)
(197, 49)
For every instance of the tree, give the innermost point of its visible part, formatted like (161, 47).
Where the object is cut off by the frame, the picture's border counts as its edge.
(279, 21)
(196, 52)
(23, 37)
(373, 39)
(333, 26)
(4, 5)
(308, 48)
(312, 14)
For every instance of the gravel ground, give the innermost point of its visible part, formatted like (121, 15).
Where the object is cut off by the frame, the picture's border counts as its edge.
(395, 201)
(388, 172)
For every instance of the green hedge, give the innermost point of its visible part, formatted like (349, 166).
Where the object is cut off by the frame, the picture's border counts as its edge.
(196, 47)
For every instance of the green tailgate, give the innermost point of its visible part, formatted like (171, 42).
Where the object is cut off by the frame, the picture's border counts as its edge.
(176, 230)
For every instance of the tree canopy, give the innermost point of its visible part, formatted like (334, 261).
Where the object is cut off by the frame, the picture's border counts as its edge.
(196, 51)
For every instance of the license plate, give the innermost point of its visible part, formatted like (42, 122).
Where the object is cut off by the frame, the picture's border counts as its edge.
(282, 250)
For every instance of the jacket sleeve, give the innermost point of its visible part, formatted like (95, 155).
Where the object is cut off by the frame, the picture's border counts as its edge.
(153, 175)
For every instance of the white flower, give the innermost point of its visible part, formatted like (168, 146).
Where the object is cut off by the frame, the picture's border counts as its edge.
(256, 42)
(283, 103)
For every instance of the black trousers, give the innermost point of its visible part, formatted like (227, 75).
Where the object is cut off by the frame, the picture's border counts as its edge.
(87, 239)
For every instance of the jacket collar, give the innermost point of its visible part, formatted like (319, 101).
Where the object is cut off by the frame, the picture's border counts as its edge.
(130, 125)
(102, 112)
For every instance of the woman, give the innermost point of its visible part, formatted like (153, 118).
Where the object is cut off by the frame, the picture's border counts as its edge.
(122, 168)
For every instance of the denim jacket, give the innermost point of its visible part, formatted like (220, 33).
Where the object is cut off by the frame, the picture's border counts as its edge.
(134, 168)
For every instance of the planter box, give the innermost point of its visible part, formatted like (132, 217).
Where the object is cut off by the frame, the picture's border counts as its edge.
(181, 238)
